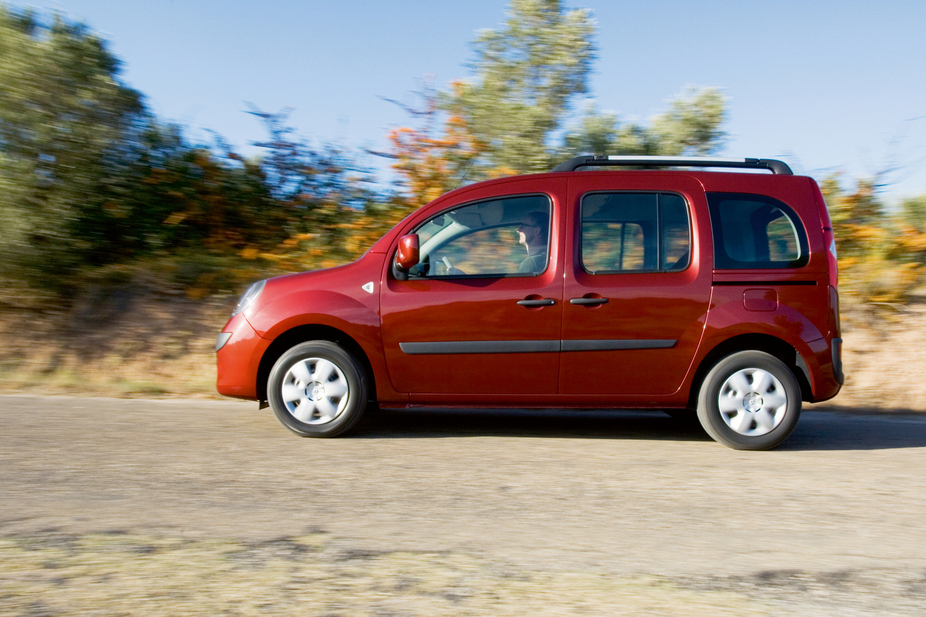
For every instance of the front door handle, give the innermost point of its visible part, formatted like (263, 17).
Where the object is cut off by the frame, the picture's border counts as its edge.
(588, 301)
(537, 302)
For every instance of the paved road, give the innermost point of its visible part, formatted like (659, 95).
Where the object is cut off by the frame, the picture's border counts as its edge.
(629, 493)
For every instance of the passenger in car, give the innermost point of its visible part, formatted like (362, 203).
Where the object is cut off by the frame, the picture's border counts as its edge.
(532, 234)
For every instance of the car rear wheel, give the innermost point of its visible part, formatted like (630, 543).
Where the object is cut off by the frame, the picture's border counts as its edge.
(317, 389)
(750, 400)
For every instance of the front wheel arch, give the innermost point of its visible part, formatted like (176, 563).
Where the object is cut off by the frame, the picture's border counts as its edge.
(303, 334)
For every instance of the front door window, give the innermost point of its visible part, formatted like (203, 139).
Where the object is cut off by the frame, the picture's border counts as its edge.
(494, 238)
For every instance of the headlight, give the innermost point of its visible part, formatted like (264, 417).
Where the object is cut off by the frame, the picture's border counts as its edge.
(249, 296)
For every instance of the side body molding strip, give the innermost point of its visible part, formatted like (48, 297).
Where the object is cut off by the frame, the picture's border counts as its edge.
(473, 347)
(445, 347)
(611, 345)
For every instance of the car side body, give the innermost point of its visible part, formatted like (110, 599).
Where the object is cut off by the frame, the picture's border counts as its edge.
(653, 277)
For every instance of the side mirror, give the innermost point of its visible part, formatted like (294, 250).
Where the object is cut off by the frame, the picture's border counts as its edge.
(408, 254)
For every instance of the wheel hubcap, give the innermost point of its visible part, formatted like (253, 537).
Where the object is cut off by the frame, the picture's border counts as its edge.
(315, 391)
(752, 402)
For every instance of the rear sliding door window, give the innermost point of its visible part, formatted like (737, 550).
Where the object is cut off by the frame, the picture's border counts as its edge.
(634, 232)
(755, 232)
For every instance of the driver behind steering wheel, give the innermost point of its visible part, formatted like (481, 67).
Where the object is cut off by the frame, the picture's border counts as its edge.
(532, 235)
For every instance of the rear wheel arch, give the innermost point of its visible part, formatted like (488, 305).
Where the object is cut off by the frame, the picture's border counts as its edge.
(303, 334)
(752, 342)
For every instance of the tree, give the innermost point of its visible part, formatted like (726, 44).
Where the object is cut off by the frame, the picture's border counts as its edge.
(162, 193)
(913, 210)
(435, 157)
(506, 119)
(526, 75)
(691, 126)
(88, 177)
(320, 192)
(881, 257)
(500, 121)
(64, 118)
(692, 123)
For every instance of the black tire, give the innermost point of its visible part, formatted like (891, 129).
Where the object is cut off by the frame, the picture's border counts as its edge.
(317, 389)
(750, 400)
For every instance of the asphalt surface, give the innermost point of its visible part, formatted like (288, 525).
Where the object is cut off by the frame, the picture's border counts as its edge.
(630, 493)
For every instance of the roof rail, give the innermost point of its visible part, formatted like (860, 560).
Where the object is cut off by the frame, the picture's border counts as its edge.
(776, 167)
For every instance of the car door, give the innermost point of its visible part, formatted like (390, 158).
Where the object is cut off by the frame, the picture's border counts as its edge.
(636, 291)
(468, 326)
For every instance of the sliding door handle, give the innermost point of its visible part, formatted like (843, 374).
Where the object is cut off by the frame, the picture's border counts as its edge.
(588, 301)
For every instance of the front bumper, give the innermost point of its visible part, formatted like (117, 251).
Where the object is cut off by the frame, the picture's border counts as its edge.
(238, 358)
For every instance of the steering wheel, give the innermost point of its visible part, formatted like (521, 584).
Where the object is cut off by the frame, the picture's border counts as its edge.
(450, 269)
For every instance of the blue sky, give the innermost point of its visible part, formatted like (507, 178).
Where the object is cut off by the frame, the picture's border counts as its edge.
(826, 86)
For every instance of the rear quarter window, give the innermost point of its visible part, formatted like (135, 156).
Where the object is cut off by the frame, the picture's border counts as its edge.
(756, 232)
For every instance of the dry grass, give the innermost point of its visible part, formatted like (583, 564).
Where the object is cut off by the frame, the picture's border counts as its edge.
(884, 352)
(132, 340)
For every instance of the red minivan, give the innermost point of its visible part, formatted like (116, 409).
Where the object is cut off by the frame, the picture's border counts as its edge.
(612, 282)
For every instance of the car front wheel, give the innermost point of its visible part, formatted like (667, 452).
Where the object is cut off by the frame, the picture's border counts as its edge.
(750, 400)
(317, 389)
